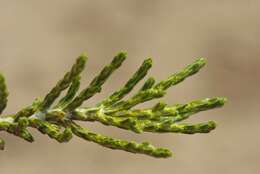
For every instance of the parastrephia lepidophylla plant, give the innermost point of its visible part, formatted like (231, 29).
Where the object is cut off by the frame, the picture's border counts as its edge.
(58, 121)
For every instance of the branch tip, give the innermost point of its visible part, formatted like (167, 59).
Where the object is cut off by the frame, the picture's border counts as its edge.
(59, 121)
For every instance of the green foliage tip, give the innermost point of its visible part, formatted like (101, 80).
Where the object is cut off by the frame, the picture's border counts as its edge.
(59, 121)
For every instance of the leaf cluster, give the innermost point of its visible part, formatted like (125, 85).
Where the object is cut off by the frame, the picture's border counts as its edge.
(59, 121)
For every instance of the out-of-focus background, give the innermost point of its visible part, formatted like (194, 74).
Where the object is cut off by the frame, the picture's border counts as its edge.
(39, 40)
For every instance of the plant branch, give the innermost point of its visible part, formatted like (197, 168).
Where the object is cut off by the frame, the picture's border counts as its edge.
(59, 121)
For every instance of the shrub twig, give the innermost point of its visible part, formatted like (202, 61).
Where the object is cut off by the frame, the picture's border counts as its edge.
(59, 121)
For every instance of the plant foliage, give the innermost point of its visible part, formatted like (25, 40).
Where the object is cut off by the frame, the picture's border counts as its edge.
(59, 121)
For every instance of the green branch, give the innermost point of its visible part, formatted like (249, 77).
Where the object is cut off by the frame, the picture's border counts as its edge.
(59, 121)
(3, 94)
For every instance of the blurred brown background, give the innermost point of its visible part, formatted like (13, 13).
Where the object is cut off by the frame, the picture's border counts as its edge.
(39, 40)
